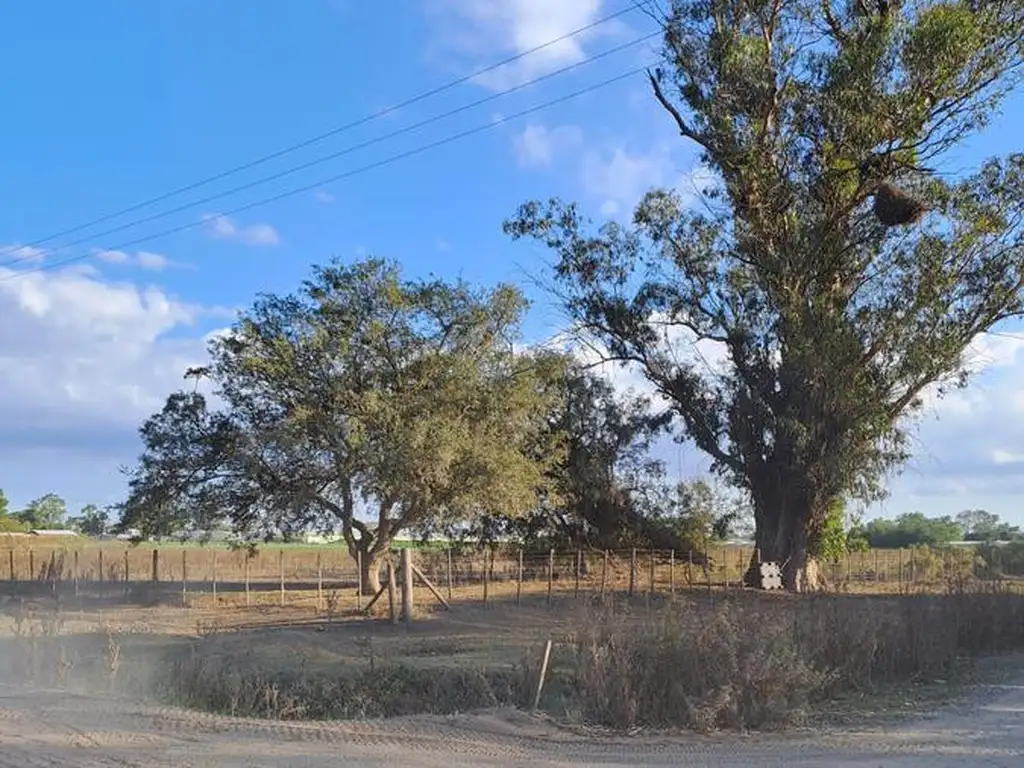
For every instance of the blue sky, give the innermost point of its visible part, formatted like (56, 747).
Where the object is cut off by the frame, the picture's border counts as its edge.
(109, 104)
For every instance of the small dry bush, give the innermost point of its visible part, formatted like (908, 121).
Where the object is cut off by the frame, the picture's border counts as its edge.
(757, 661)
(206, 680)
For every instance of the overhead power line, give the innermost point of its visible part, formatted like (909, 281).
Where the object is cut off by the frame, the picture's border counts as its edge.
(328, 134)
(348, 174)
(326, 158)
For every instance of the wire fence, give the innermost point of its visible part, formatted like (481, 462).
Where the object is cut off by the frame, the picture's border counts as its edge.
(327, 578)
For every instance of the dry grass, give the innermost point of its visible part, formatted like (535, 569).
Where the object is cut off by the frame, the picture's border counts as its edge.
(756, 662)
(704, 659)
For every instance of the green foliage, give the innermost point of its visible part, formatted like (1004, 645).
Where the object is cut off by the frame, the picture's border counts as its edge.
(705, 515)
(362, 396)
(979, 525)
(1002, 559)
(832, 541)
(46, 512)
(92, 521)
(911, 530)
(609, 491)
(832, 325)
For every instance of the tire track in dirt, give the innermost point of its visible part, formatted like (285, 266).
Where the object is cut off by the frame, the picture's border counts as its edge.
(42, 729)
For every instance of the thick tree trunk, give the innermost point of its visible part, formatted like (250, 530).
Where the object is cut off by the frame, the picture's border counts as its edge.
(782, 537)
(371, 560)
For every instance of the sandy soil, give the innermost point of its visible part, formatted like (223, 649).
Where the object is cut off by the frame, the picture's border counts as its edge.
(49, 728)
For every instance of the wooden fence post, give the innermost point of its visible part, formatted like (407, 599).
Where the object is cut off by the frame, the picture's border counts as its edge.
(650, 589)
(100, 557)
(672, 574)
(213, 577)
(319, 582)
(579, 566)
(246, 567)
(725, 568)
(448, 576)
(10, 562)
(632, 571)
(899, 565)
(127, 573)
(184, 577)
(604, 573)
(519, 580)
(551, 573)
(488, 556)
(32, 563)
(407, 593)
(74, 568)
(392, 608)
(707, 567)
(280, 568)
(359, 579)
(155, 576)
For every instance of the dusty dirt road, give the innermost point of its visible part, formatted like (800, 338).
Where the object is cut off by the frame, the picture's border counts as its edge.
(44, 729)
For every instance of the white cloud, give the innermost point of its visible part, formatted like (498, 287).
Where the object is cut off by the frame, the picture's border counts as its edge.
(224, 228)
(83, 361)
(488, 30)
(144, 259)
(324, 197)
(611, 174)
(537, 146)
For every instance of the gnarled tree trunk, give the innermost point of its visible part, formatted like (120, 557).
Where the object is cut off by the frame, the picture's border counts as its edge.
(782, 536)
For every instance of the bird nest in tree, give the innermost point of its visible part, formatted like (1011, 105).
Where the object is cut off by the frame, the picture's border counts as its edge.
(894, 207)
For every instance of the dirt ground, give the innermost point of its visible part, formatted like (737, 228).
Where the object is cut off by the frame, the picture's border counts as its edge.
(83, 724)
(52, 728)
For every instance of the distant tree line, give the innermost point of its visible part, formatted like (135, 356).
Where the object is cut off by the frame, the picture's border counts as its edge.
(915, 529)
(49, 512)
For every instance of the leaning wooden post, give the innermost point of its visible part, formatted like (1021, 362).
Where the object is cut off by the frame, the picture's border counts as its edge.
(392, 600)
(519, 580)
(407, 592)
(543, 674)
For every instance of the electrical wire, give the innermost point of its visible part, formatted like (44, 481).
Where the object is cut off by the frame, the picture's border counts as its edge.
(348, 174)
(326, 158)
(328, 134)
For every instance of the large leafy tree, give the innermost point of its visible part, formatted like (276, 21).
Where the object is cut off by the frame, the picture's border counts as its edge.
(816, 120)
(609, 488)
(366, 403)
(47, 511)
